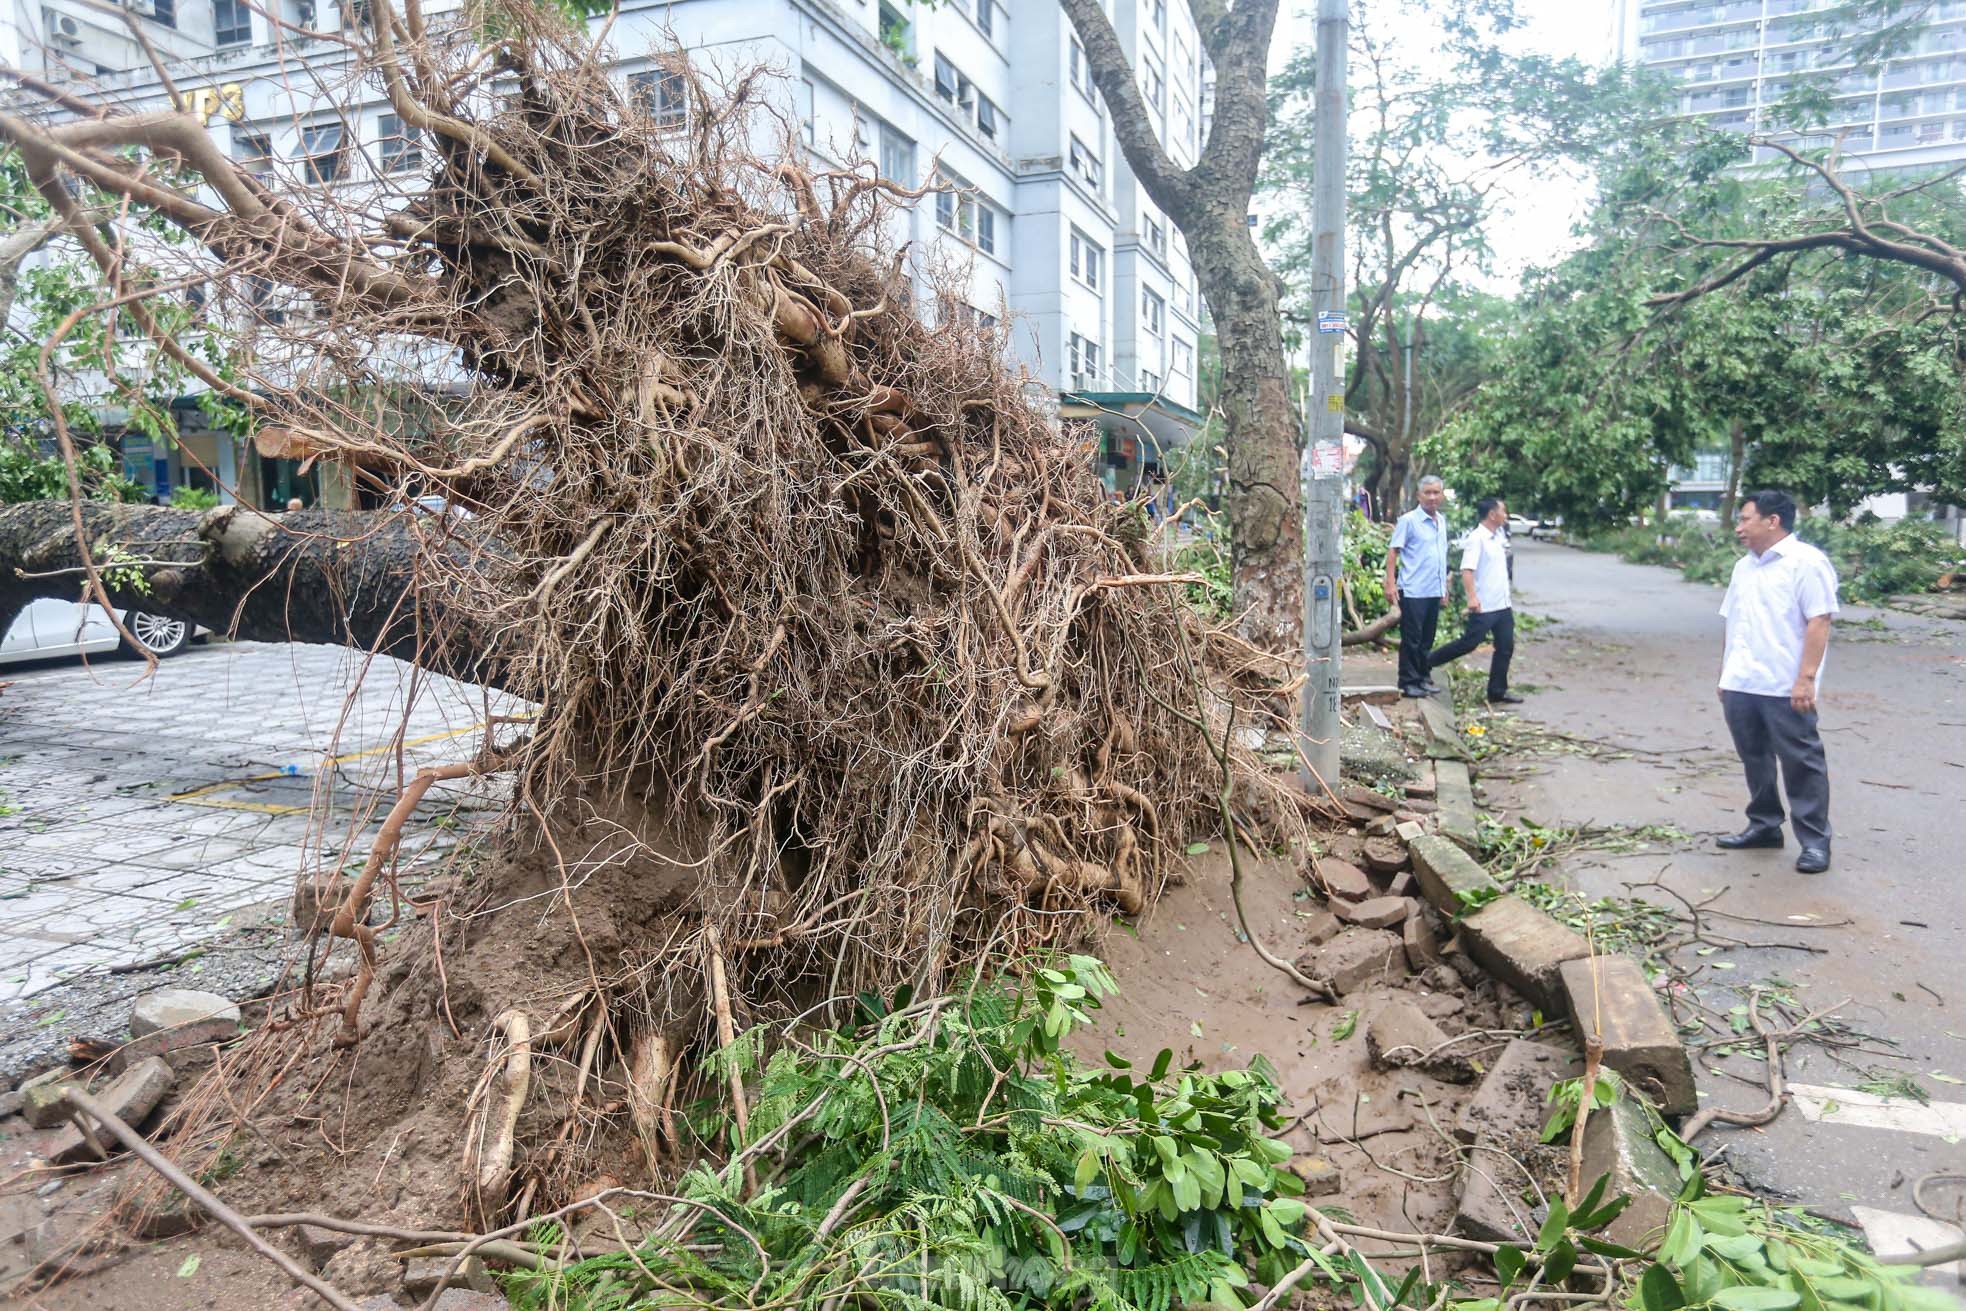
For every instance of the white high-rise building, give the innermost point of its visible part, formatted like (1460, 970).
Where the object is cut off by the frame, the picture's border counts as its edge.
(1738, 58)
(1050, 223)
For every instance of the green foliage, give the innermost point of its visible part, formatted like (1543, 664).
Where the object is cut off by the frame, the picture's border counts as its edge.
(193, 498)
(1874, 560)
(979, 1165)
(1737, 1253)
(26, 474)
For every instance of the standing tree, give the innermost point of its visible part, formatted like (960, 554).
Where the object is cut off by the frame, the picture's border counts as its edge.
(1210, 204)
(1445, 120)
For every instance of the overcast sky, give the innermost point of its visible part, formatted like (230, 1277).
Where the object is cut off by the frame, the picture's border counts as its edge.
(1537, 225)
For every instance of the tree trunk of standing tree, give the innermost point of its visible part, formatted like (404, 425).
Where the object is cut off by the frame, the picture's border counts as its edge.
(1737, 455)
(1209, 203)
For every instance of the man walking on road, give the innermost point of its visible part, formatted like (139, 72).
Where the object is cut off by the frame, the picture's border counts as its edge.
(1779, 607)
(1416, 579)
(1485, 576)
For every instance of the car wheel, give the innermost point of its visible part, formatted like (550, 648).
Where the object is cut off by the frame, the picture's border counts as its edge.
(159, 636)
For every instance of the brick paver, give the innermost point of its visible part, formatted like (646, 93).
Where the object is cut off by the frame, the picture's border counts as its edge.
(135, 820)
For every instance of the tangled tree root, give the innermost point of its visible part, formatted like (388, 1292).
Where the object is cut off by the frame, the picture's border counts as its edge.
(847, 674)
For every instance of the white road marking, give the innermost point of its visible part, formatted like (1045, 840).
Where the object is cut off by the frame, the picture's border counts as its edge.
(1892, 1234)
(1870, 1111)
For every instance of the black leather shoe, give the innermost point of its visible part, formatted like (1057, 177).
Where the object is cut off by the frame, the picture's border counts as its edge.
(1813, 860)
(1506, 699)
(1430, 687)
(1415, 692)
(1752, 837)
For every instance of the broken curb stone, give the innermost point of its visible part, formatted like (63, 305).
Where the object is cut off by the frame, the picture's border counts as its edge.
(1618, 1142)
(1401, 1037)
(1354, 959)
(1640, 1042)
(1446, 873)
(1422, 946)
(1457, 805)
(1375, 913)
(182, 1009)
(1322, 927)
(1402, 884)
(1385, 855)
(423, 1274)
(1512, 1102)
(1321, 1178)
(1524, 948)
(130, 1097)
(45, 1104)
(1344, 879)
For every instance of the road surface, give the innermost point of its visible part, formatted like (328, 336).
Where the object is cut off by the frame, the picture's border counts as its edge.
(1631, 663)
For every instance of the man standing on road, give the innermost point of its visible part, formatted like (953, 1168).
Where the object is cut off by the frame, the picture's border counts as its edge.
(1485, 576)
(1416, 579)
(1778, 610)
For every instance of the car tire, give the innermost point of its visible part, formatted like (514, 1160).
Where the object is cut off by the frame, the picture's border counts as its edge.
(155, 634)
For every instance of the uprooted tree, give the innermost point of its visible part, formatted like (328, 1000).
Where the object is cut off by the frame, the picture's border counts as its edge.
(845, 675)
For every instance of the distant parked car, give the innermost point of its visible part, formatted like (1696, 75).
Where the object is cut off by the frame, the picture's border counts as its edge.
(1521, 525)
(48, 628)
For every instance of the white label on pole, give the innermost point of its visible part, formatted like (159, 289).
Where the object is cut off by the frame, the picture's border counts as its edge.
(1327, 460)
(1331, 320)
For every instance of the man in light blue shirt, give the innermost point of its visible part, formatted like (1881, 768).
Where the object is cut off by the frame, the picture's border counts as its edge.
(1416, 580)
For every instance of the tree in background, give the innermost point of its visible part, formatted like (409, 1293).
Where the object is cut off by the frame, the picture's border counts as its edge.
(1718, 310)
(1444, 119)
(1209, 203)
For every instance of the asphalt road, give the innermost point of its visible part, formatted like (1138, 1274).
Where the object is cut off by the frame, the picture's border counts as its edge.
(1631, 664)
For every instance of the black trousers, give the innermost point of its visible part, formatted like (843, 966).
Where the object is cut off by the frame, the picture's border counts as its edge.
(1419, 617)
(1769, 730)
(1499, 622)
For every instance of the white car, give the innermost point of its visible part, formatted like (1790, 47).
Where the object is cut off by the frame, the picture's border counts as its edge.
(48, 628)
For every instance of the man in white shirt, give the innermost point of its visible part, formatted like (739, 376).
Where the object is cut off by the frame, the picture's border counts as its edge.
(1485, 581)
(1779, 607)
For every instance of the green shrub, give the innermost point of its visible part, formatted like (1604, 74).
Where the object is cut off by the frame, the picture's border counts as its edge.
(193, 498)
(1874, 560)
(28, 475)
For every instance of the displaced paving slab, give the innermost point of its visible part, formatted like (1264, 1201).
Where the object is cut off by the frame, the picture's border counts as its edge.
(1355, 959)
(1610, 998)
(1524, 948)
(1492, 1206)
(1457, 817)
(1618, 1142)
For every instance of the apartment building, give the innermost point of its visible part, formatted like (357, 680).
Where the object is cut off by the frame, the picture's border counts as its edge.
(1738, 58)
(1045, 228)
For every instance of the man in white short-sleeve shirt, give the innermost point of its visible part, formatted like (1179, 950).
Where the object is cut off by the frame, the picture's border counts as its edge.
(1485, 582)
(1779, 607)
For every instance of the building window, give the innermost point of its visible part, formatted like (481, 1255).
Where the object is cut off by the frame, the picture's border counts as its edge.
(897, 157)
(1156, 234)
(961, 213)
(946, 78)
(1152, 84)
(806, 117)
(1083, 363)
(1184, 360)
(1086, 165)
(402, 145)
(955, 87)
(662, 94)
(1081, 71)
(253, 150)
(897, 34)
(321, 148)
(986, 17)
(160, 11)
(1149, 381)
(232, 23)
(1159, 10)
(1087, 260)
(1153, 313)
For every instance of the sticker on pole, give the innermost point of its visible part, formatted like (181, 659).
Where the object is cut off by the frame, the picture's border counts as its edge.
(1331, 321)
(1335, 403)
(1327, 460)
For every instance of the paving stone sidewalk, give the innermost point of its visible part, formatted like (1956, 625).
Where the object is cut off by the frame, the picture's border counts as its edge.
(138, 819)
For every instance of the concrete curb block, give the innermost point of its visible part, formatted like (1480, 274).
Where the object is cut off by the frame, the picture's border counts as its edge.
(1524, 948)
(1454, 784)
(1448, 875)
(1640, 1042)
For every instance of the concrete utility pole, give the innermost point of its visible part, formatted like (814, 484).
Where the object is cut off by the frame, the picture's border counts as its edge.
(1323, 505)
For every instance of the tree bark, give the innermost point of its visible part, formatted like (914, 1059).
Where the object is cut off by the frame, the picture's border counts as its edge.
(310, 576)
(1209, 203)
(1737, 455)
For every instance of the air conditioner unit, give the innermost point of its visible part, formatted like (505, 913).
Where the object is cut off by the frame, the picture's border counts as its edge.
(65, 30)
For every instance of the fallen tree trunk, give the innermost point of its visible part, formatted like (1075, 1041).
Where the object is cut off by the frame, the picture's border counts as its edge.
(341, 578)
